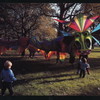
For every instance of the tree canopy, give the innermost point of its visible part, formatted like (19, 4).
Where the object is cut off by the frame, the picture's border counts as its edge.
(36, 19)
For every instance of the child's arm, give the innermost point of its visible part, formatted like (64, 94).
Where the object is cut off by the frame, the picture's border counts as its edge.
(12, 76)
(88, 66)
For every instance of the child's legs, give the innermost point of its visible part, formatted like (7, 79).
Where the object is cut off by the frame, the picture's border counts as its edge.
(84, 73)
(3, 88)
(87, 69)
(81, 73)
(9, 86)
(78, 70)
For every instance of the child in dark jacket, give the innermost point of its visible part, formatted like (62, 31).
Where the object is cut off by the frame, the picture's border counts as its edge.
(80, 60)
(7, 78)
(83, 66)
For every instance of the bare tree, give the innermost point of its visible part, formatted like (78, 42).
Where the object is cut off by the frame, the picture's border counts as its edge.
(65, 11)
(20, 19)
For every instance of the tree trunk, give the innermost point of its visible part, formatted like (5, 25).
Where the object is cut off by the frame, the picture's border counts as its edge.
(61, 17)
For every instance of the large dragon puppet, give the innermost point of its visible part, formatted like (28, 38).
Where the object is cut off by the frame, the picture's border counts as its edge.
(77, 43)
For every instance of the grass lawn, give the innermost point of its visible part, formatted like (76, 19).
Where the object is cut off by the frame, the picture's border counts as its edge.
(40, 77)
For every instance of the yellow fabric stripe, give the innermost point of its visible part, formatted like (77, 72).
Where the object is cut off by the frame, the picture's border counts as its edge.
(77, 22)
(83, 24)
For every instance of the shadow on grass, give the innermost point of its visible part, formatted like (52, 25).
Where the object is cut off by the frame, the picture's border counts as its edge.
(58, 80)
(24, 81)
(94, 63)
(22, 66)
(25, 66)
